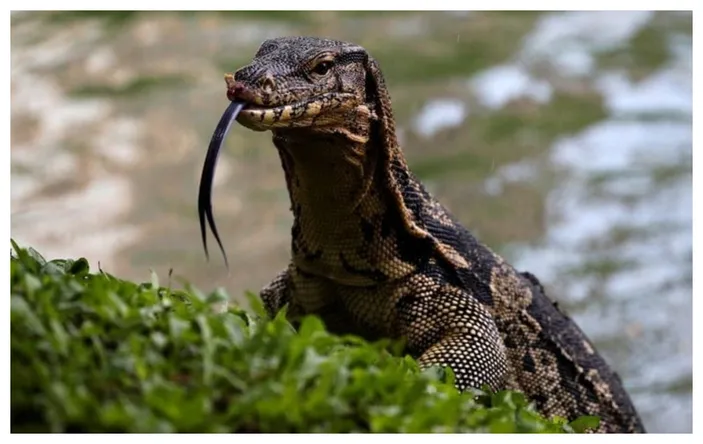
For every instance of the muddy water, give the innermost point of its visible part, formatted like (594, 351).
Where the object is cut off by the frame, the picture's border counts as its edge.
(562, 140)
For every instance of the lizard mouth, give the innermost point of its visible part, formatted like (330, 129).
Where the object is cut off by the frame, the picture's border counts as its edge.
(304, 113)
(261, 113)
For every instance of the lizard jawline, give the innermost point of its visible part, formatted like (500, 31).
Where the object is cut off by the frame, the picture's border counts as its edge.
(300, 114)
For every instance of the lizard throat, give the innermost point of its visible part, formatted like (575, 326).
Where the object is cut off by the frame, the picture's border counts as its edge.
(327, 173)
(339, 203)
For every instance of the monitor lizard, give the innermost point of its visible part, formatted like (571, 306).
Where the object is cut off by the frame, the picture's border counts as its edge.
(374, 254)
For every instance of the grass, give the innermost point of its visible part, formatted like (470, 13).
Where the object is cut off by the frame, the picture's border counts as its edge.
(94, 353)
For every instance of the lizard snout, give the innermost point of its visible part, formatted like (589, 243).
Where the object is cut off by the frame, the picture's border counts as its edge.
(239, 92)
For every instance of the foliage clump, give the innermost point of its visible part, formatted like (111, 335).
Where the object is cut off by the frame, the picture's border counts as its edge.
(94, 353)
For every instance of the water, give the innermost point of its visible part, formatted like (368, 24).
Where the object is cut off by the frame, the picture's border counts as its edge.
(610, 206)
(565, 144)
(438, 115)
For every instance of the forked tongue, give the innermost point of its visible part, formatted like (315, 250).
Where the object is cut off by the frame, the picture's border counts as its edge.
(208, 174)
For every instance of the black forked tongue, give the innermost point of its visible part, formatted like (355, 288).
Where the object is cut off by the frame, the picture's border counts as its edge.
(208, 174)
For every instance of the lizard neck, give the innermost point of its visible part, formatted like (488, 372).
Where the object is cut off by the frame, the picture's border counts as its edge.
(345, 224)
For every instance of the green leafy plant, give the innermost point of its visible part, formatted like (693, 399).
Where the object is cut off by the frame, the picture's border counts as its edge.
(94, 353)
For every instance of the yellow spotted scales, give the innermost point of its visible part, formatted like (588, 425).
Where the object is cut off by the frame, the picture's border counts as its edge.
(374, 254)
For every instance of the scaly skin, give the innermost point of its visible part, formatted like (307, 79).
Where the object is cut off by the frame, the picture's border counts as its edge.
(375, 255)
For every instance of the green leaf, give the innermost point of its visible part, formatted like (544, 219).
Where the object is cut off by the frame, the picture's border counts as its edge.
(16, 248)
(154, 280)
(34, 254)
(32, 283)
(22, 312)
(435, 372)
(217, 296)
(584, 423)
(310, 326)
(60, 336)
(80, 267)
(255, 304)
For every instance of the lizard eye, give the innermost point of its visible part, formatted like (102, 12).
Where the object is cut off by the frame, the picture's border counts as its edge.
(322, 68)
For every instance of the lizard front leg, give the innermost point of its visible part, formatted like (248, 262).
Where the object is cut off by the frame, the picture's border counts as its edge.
(448, 327)
(277, 293)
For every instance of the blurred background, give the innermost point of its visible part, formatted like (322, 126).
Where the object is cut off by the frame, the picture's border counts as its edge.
(562, 140)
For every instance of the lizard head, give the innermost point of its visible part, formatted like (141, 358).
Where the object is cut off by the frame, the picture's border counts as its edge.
(317, 84)
(311, 86)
